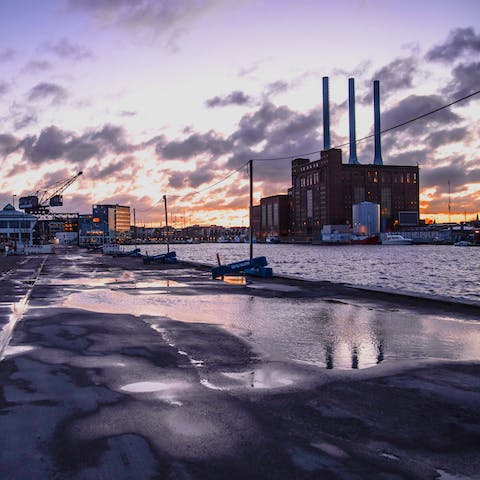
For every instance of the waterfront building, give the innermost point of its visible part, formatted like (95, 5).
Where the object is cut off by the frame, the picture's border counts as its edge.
(366, 218)
(324, 191)
(256, 220)
(16, 226)
(92, 231)
(275, 216)
(115, 217)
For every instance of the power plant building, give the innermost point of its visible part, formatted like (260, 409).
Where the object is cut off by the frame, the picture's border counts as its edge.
(275, 216)
(324, 191)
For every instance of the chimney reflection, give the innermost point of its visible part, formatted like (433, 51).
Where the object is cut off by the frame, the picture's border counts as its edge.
(380, 349)
(355, 356)
(329, 351)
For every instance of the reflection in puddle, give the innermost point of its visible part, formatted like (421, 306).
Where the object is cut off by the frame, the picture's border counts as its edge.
(234, 279)
(333, 335)
(264, 377)
(147, 387)
(12, 351)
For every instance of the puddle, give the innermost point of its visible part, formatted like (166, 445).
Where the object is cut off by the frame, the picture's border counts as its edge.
(150, 386)
(390, 456)
(234, 279)
(262, 378)
(450, 476)
(330, 335)
(274, 287)
(331, 450)
(12, 351)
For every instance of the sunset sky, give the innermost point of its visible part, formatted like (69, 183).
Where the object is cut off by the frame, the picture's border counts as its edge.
(154, 97)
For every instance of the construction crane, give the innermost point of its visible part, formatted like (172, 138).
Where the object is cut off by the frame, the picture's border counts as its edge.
(51, 196)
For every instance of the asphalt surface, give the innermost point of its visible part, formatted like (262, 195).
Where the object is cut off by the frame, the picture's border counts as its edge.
(86, 393)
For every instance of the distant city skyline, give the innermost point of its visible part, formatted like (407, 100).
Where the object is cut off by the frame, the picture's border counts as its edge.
(157, 97)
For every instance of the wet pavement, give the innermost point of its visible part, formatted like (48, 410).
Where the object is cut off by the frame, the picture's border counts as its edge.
(120, 370)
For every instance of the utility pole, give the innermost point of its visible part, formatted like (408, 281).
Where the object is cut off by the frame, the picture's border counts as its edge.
(250, 168)
(449, 204)
(166, 222)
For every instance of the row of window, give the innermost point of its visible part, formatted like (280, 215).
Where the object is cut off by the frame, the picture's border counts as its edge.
(372, 176)
(13, 224)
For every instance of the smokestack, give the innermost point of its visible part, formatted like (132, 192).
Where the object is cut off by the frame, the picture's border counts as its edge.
(326, 115)
(351, 117)
(376, 118)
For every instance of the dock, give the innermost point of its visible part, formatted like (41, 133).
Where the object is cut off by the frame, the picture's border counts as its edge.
(96, 381)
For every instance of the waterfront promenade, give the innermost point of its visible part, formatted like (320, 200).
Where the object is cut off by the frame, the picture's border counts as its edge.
(120, 370)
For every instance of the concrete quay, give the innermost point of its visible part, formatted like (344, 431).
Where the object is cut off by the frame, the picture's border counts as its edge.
(119, 370)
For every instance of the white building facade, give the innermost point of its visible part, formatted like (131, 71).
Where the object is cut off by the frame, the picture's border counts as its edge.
(16, 226)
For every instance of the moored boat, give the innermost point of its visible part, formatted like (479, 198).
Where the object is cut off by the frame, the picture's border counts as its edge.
(365, 240)
(396, 239)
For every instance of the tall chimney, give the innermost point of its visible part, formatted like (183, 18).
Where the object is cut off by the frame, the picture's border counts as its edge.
(376, 118)
(326, 116)
(351, 117)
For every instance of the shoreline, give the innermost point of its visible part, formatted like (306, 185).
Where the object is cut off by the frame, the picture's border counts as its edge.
(86, 391)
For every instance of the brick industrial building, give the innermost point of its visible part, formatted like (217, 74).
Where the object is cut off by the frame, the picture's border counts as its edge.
(324, 191)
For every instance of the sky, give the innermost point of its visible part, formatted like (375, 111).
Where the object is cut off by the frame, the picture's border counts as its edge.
(157, 97)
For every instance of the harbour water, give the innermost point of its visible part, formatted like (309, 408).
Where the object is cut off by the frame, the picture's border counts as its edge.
(443, 270)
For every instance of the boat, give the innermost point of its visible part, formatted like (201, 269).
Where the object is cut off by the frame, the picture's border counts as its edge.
(365, 240)
(464, 243)
(110, 248)
(396, 239)
(272, 239)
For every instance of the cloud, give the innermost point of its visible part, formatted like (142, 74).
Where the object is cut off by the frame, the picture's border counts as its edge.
(35, 66)
(52, 91)
(202, 174)
(24, 121)
(270, 131)
(466, 80)
(4, 87)
(458, 173)
(54, 143)
(7, 144)
(414, 106)
(235, 98)
(65, 49)
(7, 54)
(196, 144)
(397, 75)
(410, 157)
(112, 169)
(443, 137)
(157, 17)
(460, 42)
(50, 145)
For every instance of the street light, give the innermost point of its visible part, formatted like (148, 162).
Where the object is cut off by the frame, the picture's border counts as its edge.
(166, 222)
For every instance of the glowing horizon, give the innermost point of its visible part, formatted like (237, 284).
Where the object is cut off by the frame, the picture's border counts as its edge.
(158, 104)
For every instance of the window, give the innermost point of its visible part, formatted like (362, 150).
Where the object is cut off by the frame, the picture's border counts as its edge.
(386, 201)
(358, 194)
(309, 204)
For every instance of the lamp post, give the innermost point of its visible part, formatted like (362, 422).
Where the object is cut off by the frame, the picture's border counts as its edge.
(250, 165)
(166, 222)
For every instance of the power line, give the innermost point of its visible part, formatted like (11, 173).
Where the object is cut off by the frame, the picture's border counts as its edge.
(196, 192)
(382, 131)
(316, 151)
